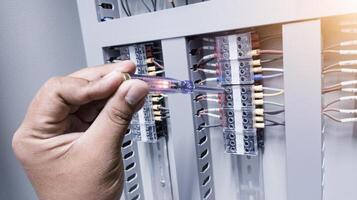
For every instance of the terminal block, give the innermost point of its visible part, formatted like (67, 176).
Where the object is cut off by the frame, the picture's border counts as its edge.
(238, 96)
(149, 123)
(237, 47)
(235, 58)
(241, 143)
(239, 132)
(143, 123)
(236, 62)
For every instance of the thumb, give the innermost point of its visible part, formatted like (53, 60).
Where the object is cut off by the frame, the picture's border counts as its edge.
(112, 123)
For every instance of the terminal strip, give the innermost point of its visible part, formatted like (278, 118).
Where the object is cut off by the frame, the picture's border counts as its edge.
(149, 123)
(240, 116)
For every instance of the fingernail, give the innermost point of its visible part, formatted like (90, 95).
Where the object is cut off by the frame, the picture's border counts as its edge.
(135, 94)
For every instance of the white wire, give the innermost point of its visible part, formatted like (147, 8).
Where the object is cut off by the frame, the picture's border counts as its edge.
(208, 71)
(346, 120)
(211, 95)
(273, 89)
(274, 103)
(211, 64)
(212, 109)
(349, 90)
(207, 57)
(349, 30)
(211, 115)
(272, 70)
(208, 79)
(160, 72)
(346, 98)
(276, 90)
(342, 52)
(348, 111)
(343, 70)
(344, 83)
(213, 100)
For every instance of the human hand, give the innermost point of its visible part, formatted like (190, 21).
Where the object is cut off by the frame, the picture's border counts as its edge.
(70, 140)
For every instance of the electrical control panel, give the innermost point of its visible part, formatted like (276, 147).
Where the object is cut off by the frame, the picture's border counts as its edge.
(285, 111)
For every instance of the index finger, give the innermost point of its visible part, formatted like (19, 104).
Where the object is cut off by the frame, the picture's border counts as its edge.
(97, 72)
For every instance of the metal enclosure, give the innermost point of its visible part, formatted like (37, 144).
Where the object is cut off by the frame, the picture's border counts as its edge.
(291, 165)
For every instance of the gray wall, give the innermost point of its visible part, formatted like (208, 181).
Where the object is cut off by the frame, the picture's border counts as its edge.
(38, 39)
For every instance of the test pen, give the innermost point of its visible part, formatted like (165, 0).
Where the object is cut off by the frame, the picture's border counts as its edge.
(170, 85)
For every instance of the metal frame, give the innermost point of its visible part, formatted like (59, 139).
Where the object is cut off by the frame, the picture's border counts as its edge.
(303, 123)
(182, 142)
(211, 16)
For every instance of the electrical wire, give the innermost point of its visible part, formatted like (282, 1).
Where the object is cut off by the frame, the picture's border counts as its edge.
(259, 77)
(156, 72)
(342, 52)
(338, 86)
(124, 8)
(163, 108)
(348, 23)
(206, 59)
(146, 5)
(272, 76)
(208, 71)
(215, 65)
(273, 89)
(344, 98)
(325, 91)
(342, 70)
(267, 69)
(213, 100)
(343, 44)
(270, 37)
(210, 115)
(345, 111)
(202, 127)
(343, 120)
(206, 80)
(208, 99)
(153, 4)
(271, 60)
(127, 6)
(158, 60)
(276, 90)
(269, 51)
(341, 64)
(274, 123)
(209, 40)
(157, 64)
(349, 30)
(276, 112)
(206, 96)
(274, 103)
(209, 110)
(331, 117)
(353, 90)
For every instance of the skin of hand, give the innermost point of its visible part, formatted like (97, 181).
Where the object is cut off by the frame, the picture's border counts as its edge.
(70, 140)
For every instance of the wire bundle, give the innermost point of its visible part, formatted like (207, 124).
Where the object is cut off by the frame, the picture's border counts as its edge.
(208, 67)
(151, 6)
(346, 88)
